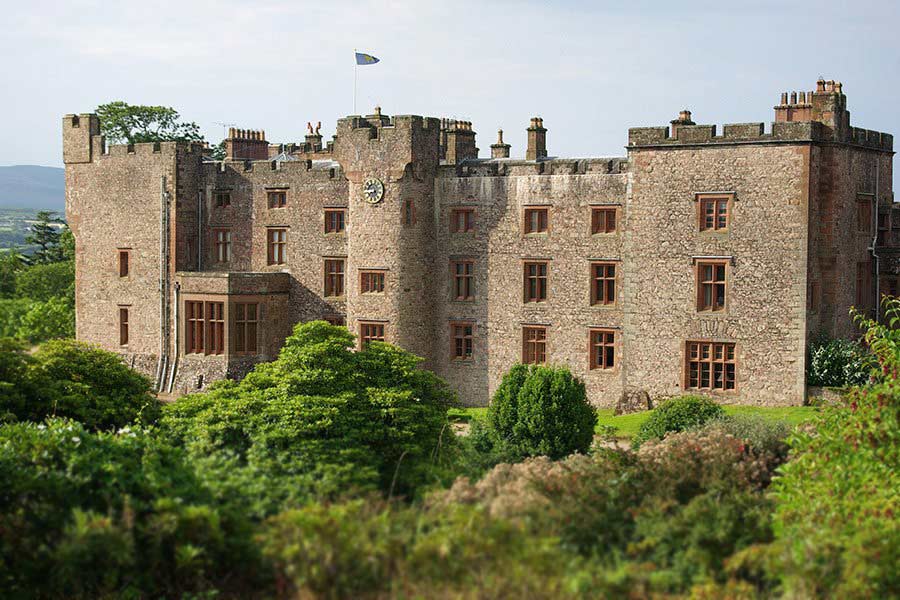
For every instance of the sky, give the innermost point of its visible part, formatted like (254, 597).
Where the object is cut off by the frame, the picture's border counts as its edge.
(591, 70)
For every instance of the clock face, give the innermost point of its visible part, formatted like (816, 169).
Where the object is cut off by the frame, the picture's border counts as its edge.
(373, 190)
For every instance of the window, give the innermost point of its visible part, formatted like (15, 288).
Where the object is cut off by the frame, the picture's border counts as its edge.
(371, 282)
(710, 366)
(812, 296)
(462, 220)
(461, 345)
(222, 245)
(713, 212)
(864, 214)
(603, 283)
(710, 286)
(222, 199)
(603, 348)
(277, 198)
(335, 220)
(863, 284)
(246, 317)
(336, 320)
(215, 327)
(536, 281)
(409, 212)
(534, 345)
(463, 279)
(277, 244)
(603, 220)
(370, 332)
(205, 327)
(536, 220)
(123, 326)
(124, 258)
(334, 277)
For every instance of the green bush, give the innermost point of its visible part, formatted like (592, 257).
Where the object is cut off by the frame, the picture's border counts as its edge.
(542, 411)
(48, 320)
(12, 312)
(836, 500)
(837, 363)
(41, 282)
(677, 414)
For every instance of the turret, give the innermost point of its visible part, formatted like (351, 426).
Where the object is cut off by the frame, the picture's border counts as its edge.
(78, 133)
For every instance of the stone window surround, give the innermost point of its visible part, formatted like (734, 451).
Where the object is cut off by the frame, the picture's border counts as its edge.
(730, 195)
(361, 323)
(686, 365)
(526, 210)
(124, 324)
(454, 261)
(699, 264)
(592, 349)
(123, 256)
(454, 221)
(454, 357)
(228, 302)
(592, 300)
(535, 327)
(525, 262)
(594, 209)
(370, 272)
(271, 258)
(272, 191)
(327, 212)
(325, 275)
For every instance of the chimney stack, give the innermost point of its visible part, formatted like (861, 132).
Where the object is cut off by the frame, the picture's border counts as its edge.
(537, 140)
(684, 118)
(460, 142)
(500, 150)
(245, 144)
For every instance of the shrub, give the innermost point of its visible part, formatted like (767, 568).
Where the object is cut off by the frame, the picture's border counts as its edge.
(48, 320)
(12, 311)
(677, 414)
(41, 282)
(542, 411)
(16, 386)
(93, 386)
(837, 363)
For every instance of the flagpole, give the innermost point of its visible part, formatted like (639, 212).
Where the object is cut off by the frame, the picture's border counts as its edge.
(355, 71)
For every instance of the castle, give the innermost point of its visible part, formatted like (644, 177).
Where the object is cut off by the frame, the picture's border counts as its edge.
(700, 261)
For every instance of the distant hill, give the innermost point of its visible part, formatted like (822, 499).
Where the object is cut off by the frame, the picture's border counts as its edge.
(31, 186)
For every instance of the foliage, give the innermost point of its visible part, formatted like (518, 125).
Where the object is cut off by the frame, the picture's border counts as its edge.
(50, 320)
(677, 414)
(46, 237)
(65, 378)
(320, 420)
(836, 501)
(837, 363)
(122, 123)
(44, 281)
(12, 312)
(542, 410)
(10, 265)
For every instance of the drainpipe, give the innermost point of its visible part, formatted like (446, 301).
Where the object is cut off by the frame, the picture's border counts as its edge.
(176, 328)
(163, 269)
(876, 258)
(199, 230)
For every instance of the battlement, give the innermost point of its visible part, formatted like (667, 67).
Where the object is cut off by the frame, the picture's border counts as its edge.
(552, 166)
(309, 169)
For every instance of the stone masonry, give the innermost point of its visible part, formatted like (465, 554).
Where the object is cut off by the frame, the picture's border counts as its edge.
(700, 261)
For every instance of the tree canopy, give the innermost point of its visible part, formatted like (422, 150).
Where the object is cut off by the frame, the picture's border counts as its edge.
(122, 123)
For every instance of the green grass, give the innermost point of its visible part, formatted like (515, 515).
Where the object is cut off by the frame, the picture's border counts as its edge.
(627, 425)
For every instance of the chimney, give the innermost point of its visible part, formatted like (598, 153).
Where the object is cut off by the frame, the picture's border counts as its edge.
(537, 140)
(684, 118)
(460, 142)
(826, 105)
(797, 109)
(246, 144)
(499, 150)
(313, 138)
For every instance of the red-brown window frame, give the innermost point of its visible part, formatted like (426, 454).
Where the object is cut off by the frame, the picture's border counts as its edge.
(462, 340)
(334, 277)
(276, 198)
(604, 283)
(864, 285)
(710, 358)
(604, 219)
(602, 346)
(215, 327)
(408, 212)
(370, 331)
(246, 328)
(462, 277)
(222, 198)
(712, 285)
(124, 262)
(704, 200)
(335, 220)
(465, 216)
(532, 274)
(276, 250)
(864, 208)
(195, 327)
(123, 325)
(536, 219)
(372, 281)
(534, 345)
(221, 247)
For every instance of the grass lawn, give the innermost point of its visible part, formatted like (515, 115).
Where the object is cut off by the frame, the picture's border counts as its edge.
(628, 425)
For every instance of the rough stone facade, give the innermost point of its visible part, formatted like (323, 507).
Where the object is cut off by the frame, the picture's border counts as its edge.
(794, 245)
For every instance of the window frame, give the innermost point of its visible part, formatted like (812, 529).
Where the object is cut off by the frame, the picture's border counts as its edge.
(527, 220)
(221, 198)
(467, 278)
(711, 361)
(364, 327)
(218, 245)
(594, 349)
(408, 212)
(469, 218)
(334, 279)
(124, 325)
(276, 198)
(864, 210)
(601, 300)
(215, 327)
(276, 249)
(701, 284)
(530, 346)
(542, 282)
(596, 211)
(864, 285)
(124, 253)
(330, 227)
(368, 277)
(242, 325)
(462, 341)
(701, 199)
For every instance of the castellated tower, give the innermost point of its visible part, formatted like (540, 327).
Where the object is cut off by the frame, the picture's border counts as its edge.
(391, 165)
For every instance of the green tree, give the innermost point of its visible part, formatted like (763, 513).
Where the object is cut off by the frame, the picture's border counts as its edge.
(45, 235)
(51, 319)
(122, 123)
(44, 281)
(10, 265)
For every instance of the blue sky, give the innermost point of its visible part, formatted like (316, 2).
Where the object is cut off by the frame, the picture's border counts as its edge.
(590, 69)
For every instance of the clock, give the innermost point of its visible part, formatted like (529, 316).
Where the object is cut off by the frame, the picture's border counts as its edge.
(373, 190)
